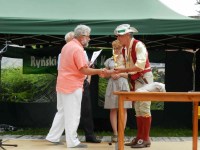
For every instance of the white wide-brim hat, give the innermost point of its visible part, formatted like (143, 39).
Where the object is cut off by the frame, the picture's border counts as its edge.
(124, 28)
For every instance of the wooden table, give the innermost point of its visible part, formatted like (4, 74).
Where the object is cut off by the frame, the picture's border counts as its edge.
(193, 97)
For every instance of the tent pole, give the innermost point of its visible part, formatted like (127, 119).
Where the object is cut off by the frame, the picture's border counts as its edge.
(3, 50)
(194, 70)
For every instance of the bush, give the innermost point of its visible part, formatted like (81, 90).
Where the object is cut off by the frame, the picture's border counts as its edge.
(18, 87)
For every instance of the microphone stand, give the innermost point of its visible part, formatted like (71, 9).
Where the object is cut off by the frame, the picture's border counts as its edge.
(1, 145)
(3, 50)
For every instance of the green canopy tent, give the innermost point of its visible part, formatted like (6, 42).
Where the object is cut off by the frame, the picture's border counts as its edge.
(57, 17)
(42, 22)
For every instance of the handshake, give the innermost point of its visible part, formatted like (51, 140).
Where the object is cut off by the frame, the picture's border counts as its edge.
(106, 72)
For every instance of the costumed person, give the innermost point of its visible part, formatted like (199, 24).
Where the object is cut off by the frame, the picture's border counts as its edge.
(116, 82)
(139, 72)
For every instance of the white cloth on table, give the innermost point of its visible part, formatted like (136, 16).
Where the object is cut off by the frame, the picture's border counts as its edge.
(152, 87)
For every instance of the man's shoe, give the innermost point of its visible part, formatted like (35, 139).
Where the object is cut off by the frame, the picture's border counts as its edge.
(81, 146)
(55, 143)
(133, 142)
(141, 144)
(114, 138)
(92, 139)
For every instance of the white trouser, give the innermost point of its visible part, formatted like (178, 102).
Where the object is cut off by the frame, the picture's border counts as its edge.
(67, 117)
(143, 108)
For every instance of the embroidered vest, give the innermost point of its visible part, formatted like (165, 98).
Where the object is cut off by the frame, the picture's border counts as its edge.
(134, 58)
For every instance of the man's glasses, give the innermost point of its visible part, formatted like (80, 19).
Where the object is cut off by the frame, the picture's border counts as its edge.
(117, 36)
(86, 36)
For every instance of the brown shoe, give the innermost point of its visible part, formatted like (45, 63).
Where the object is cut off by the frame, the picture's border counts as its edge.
(133, 142)
(141, 144)
(114, 138)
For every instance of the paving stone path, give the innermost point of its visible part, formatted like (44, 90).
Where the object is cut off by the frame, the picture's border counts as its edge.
(104, 138)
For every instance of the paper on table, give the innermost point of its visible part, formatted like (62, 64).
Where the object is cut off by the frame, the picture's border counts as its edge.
(94, 56)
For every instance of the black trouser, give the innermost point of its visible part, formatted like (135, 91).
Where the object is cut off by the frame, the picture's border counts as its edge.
(86, 111)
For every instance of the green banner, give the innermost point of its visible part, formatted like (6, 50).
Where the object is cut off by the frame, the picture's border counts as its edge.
(44, 60)
(41, 60)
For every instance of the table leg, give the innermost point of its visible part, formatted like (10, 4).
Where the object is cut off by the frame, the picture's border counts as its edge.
(195, 126)
(121, 123)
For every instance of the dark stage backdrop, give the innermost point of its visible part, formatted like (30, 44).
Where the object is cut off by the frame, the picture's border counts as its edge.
(178, 78)
(197, 71)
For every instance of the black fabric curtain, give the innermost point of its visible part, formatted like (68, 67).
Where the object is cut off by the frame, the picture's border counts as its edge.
(178, 78)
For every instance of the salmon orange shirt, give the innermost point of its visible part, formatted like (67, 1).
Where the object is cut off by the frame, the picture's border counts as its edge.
(72, 59)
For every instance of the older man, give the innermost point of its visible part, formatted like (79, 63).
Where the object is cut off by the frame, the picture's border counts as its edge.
(86, 108)
(139, 70)
(71, 73)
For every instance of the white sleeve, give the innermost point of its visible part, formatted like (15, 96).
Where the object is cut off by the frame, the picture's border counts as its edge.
(86, 56)
(141, 54)
(58, 63)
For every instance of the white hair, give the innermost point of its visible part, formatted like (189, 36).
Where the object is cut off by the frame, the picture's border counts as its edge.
(82, 30)
(69, 36)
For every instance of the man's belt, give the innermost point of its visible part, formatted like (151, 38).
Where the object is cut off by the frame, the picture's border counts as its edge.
(139, 77)
(138, 74)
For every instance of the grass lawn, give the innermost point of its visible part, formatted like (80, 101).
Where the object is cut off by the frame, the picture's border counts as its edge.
(155, 132)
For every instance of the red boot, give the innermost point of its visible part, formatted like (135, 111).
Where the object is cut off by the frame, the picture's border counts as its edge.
(144, 141)
(140, 127)
(147, 127)
(139, 132)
